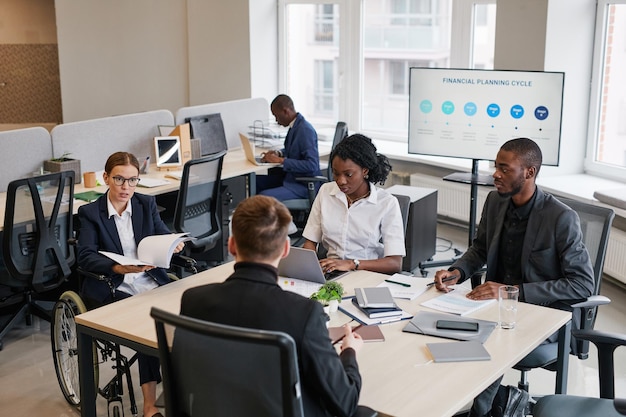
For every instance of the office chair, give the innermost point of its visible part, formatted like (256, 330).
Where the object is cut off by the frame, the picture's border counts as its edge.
(198, 206)
(211, 369)
(595, 223)
(605, 406)
(301, 207)
(36, 243)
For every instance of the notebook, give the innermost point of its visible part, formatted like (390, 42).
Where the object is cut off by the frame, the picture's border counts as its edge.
(248, 148)
(458, 351)
(303, 264)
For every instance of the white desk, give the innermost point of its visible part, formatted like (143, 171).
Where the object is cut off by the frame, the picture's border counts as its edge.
(397, 378)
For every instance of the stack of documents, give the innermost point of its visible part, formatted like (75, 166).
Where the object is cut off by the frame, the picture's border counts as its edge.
(349, 308)
(456, 302)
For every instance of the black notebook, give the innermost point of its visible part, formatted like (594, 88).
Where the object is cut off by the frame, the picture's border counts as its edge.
(379, 312)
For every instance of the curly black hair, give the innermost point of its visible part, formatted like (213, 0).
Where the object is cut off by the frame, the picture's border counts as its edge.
(360, 150)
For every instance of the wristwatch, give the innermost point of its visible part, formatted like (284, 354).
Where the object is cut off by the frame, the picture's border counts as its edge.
(356, 264)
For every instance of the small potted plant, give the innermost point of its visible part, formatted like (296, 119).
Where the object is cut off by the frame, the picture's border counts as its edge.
(64, 163)
(329, 295)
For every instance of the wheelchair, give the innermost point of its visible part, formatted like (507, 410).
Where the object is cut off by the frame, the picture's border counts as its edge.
(65, 355)
(64, 343)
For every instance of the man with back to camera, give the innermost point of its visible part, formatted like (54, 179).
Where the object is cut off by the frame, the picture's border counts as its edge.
(251, 298)
(526, 238)
(299, 157)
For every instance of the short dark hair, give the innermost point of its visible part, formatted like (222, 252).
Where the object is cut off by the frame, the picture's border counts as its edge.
(282, 101)
(360, 149)
(260, 225)
(526, 150)
(120, 158)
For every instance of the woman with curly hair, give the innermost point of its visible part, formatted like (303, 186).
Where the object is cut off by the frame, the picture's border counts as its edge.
(358, 224)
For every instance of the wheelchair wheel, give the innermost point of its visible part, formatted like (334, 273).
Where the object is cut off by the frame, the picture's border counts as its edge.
(64, 345)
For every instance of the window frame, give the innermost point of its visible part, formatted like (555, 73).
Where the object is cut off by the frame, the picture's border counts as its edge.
(592, 166)
(350, 59)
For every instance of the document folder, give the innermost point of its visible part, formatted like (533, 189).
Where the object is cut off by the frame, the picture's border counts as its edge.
(425, 322)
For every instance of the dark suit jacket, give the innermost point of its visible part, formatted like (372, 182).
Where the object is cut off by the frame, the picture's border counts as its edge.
(251, 298)
(98, 232)
(556, 264)
(303, 159)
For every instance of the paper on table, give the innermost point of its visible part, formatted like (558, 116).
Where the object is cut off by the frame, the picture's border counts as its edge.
(417, 287)
(456, 302)
(154, 250)
(348, 307)
(304, 288)
(151, 182)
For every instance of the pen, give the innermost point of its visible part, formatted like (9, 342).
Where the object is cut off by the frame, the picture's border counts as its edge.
(144, 166)
(446, 279)
(398, 283)
(391, 320)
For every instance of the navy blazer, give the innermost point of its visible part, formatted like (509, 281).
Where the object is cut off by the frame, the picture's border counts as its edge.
(301, 153)
(556, 268)
(251, 298)
(98, 232)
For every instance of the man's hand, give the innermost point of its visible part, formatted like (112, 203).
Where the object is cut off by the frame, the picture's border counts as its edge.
(273, 157)
(442, 279)
(350, 339)
(485, 291)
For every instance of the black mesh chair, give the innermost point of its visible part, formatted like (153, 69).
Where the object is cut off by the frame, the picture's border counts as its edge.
(301, 207)
(198, 208)
(595, 223)
(36, 246)
(605, 406)
(211, 369)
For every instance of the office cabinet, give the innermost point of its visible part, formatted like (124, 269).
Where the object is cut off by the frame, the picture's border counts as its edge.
(421, 230)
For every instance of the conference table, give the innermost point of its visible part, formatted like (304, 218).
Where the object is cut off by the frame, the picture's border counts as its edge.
(399, 377)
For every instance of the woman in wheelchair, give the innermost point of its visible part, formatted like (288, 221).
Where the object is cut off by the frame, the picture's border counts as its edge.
(116, 222)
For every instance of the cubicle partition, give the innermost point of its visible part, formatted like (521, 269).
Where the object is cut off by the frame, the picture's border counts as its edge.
(23, 152)
(92, 141)
(237, 116)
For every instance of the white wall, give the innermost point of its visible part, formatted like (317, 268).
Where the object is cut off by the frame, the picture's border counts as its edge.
(120, 56)
(264, 49)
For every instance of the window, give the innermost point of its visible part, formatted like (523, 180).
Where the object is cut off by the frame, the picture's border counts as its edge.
(349, 60)
(607, 130)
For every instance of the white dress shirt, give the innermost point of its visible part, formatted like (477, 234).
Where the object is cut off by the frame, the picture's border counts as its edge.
(371, 228)
(137, 282)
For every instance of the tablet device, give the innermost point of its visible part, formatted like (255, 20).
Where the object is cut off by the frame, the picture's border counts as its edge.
(458, 351)
(464, 326)
(167, 150)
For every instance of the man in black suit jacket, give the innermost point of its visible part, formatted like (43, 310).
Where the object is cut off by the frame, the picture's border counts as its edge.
(251, 297)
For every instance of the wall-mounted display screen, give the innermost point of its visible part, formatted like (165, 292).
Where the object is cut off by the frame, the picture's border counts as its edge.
(467, 113)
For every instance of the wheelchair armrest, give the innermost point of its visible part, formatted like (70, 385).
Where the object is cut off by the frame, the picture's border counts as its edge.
(183, 261)
(620, 405)
(601, 338)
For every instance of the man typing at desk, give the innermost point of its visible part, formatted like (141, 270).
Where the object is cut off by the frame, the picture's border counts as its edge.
(528, 239)
(251, 297)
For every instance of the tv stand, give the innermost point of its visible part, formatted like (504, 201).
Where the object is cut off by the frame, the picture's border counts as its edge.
(474, 179)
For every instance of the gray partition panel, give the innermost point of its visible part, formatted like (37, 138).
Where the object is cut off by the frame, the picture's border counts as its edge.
(23, 152)
(237, 116)
(92, 141)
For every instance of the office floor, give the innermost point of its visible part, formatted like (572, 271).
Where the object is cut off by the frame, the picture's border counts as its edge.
(28, 384)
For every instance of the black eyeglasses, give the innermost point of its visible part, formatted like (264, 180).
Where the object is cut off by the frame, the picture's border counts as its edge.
(119, 181)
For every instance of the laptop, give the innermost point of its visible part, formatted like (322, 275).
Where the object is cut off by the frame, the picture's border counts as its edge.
(248, 148)
(303, 264)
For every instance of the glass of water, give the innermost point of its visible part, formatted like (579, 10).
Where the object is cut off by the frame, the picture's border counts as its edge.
(508, 298)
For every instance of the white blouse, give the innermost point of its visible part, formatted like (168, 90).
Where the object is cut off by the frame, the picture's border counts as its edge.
(371, 228)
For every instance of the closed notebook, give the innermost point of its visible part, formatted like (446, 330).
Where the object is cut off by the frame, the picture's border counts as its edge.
(368, 333)
(374, 297)
(374, 313)
(458, 351)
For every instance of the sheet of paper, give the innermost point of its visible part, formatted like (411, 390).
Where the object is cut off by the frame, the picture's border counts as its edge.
(304, 288)
(456, 302)
(417, 286)
(151, 182)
